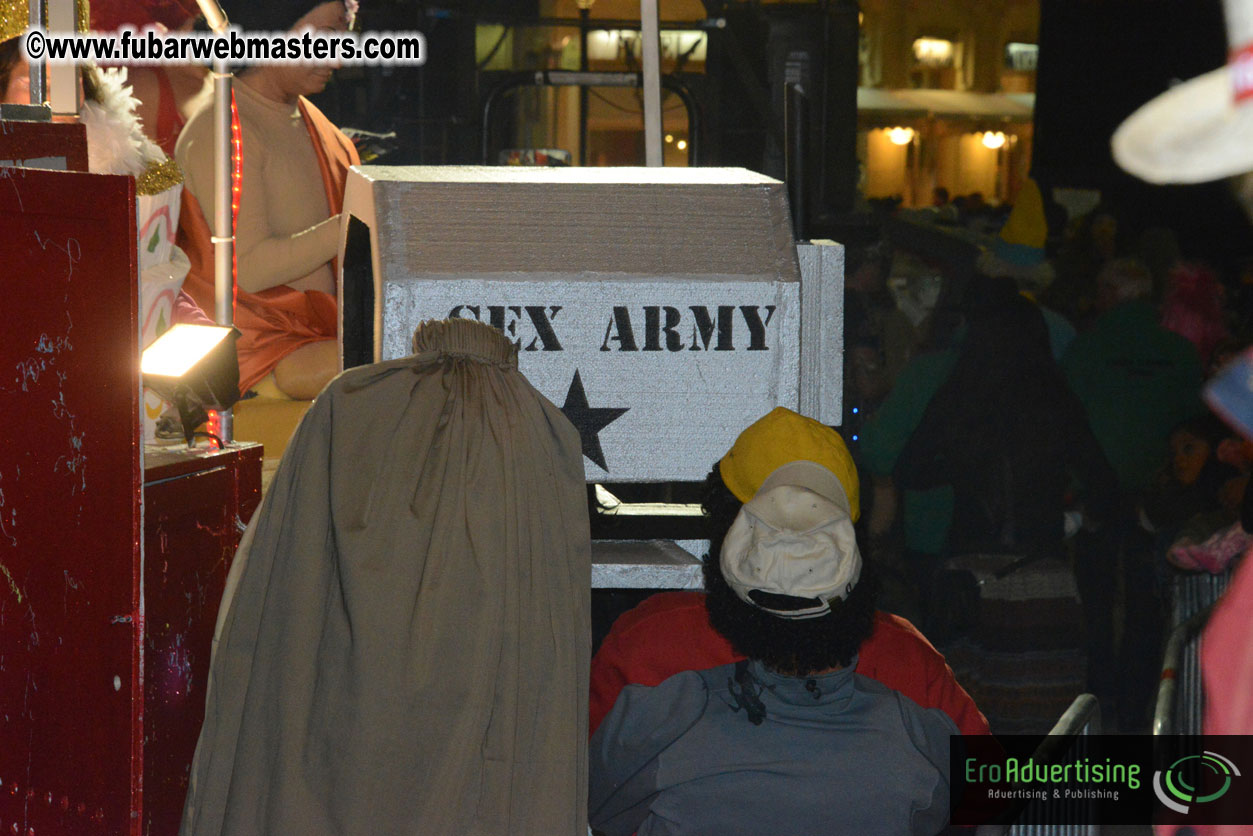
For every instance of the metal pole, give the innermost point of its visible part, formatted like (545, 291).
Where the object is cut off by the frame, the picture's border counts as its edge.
(63, 89)
(652, 82)
(213, 15)
(695, 123)
(38, 69)
(223, 232)
(223, 226)
(584, 17)
(223, 237)
(795, 160)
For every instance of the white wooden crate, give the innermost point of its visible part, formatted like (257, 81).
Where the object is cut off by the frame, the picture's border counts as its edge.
(662, 308)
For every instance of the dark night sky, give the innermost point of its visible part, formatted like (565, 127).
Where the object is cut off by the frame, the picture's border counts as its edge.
(1099, 61)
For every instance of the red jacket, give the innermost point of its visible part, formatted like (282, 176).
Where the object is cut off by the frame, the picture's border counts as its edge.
(669, 633)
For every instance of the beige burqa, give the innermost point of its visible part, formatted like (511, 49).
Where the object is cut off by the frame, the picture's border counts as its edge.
(404, 646)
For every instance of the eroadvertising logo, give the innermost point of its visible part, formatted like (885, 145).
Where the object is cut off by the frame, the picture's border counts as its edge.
(1030, 779)
(1194, 779)
(1100, 779)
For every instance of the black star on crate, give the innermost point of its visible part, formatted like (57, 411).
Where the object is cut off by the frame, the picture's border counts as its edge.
(588, 420)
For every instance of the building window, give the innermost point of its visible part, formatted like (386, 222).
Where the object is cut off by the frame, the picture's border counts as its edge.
(1021, 57)
(935, 53)
(1018, 73)
(937, 62)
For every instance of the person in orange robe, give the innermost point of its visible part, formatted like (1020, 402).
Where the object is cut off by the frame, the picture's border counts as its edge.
(294, 163)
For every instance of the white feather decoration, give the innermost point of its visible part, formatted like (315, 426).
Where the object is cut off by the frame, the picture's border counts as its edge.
(116, 143)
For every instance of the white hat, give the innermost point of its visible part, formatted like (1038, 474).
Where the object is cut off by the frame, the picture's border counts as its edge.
(793, 539)
(1202, 129)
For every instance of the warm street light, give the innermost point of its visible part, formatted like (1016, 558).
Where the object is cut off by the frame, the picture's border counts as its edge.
(901, 136)
(993, 140)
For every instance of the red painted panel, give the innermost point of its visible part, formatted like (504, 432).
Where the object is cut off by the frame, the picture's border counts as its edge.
(26, 141)
(248, 480)
(70, 760)
(192, 501)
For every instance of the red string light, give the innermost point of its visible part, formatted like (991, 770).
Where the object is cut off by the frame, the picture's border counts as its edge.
(214, 424)
(237, 166)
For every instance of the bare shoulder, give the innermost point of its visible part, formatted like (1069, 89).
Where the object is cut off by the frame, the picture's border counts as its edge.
(194, 152)
(144, 85)
(198, 130)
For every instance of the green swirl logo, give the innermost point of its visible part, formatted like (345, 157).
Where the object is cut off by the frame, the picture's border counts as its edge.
(1212, 775)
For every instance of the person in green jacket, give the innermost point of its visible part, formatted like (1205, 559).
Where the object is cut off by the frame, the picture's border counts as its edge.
(1136, 381)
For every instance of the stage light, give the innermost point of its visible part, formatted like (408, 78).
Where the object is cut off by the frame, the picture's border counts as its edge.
(196, 368)
(681, 145)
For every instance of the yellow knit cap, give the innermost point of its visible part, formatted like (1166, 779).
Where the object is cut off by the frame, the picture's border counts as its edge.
(15, 17)
(785, 436)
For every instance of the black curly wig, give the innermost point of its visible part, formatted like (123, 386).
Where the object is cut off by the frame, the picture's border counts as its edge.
(793, 648)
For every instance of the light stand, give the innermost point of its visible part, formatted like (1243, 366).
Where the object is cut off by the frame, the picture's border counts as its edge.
(223, 222)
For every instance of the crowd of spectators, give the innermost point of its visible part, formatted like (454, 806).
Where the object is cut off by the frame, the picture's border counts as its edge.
(1142, 480)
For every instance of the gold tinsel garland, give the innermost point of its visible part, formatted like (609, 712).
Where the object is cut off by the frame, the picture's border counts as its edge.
(158, 177)
(15, 17)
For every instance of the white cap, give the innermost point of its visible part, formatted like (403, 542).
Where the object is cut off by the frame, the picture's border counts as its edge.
(793, 538)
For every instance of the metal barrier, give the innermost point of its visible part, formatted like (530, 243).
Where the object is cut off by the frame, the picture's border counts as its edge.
(1180, 699)
(1083, 718)
(557, 78)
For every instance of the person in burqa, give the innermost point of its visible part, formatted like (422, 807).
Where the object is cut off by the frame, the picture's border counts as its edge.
(1008, 435)
(404, 641)
(293, 165)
